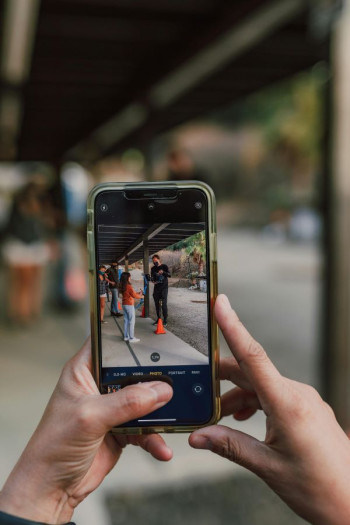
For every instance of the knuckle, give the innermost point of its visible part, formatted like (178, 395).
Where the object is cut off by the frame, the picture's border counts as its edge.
(312, 392)
(300, 400)
(299, 412)
(229, 450)
(67, 369)
(309, 399)
(84, 416)
(132, 400)
(300, 408)
(256, 351)
(329, 408)
(66, 380)
(272, 469)
(70, 369)
(292, 401)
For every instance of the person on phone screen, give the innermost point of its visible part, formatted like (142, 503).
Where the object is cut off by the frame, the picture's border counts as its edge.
(113, 276)
(103, 284)
(304, 457)
(129, 295)
(159, 276)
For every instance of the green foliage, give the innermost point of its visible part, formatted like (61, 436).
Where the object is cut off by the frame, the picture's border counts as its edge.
(277, 139)
(195, 247)
(192, 245)
(291, 111)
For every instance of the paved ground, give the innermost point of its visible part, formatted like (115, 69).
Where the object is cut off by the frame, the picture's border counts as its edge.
(171, 349)
(275, 289)
(226, 501)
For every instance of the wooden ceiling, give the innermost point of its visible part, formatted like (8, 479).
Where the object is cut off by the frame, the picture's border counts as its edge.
(92, 58)
(118, 241)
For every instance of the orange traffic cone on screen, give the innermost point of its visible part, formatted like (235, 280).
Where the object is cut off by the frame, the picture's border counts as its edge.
(160, 328)
(143, 312)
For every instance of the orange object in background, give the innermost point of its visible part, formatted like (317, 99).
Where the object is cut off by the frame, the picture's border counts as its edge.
(75, 284)
(160, 328)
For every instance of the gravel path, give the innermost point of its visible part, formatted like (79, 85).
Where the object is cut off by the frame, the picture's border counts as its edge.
(187, 315)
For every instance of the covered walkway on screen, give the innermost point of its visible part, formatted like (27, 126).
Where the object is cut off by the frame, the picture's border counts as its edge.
(127, 244)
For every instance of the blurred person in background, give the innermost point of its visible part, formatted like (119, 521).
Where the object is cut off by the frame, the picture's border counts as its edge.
(181, 166)
(26, 251)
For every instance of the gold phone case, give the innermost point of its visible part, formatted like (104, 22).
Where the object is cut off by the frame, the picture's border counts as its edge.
(94, 314)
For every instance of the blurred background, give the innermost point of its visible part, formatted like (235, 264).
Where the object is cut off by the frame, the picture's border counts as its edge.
(250, 96)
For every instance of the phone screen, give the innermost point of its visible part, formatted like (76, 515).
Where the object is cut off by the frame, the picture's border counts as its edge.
(153, 290)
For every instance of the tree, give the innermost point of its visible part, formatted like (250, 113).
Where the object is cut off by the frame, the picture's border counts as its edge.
(195, 247)
(197, 250)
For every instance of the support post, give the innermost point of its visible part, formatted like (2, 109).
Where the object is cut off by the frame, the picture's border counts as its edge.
(145, 271)
(126, 263)
(337, 345)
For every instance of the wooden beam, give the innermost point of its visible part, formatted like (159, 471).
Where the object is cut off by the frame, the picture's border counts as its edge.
(146, 271)
(337, 349)
(151, 232)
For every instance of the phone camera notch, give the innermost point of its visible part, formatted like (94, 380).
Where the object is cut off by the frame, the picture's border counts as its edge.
(104, 207)
(151, 206)
(198, 205)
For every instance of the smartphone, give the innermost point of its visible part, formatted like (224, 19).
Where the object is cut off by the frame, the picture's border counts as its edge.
(153, 284)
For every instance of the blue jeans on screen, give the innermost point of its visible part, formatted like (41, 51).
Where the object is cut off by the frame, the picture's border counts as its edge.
(129, 321)
(114, 303)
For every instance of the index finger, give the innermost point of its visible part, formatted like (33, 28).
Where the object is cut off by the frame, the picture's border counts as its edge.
(251, 357)
(230, 370)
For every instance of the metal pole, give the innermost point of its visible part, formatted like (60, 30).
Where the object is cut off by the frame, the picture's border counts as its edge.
(338, 333)
(145, 271)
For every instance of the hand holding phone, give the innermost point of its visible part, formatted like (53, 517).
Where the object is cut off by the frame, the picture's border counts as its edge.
(304, 443)
(76, 459)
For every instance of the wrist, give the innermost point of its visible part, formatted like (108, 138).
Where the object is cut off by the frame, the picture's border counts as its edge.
(28, 495)
(10, 519)
(36, 509)
(329, 508)
(335, 515)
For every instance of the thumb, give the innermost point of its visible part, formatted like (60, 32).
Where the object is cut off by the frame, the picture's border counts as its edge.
(131, 402)
(234, 445)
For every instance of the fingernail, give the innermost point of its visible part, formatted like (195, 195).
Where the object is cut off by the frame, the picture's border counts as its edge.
(225, 303)
(201, 442)
(224, 300)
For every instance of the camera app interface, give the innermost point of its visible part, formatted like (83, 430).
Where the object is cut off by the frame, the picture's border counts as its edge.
(153, 301)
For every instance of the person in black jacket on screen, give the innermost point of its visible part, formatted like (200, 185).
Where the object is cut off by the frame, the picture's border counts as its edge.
(159, 276)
